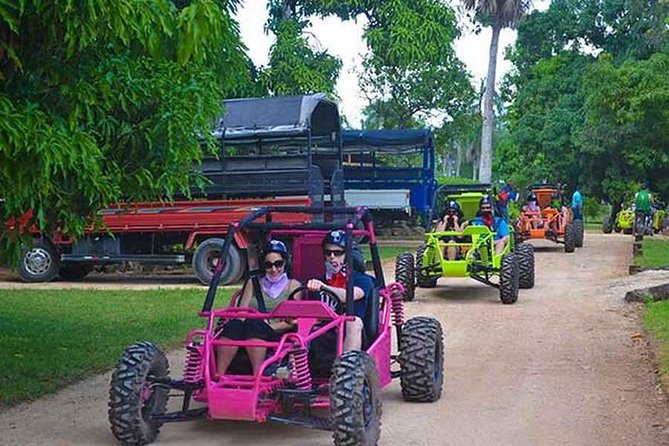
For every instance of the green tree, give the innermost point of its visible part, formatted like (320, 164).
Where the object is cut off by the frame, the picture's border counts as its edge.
(500, 14)
(294, 66)
(108, 100)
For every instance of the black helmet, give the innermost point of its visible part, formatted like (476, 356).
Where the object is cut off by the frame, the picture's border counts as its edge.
(485, 200)
(452, 205)
(335, 238)
(532, 197)
(276, 246)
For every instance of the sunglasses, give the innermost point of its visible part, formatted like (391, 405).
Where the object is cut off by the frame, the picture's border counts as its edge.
(276, 264)
(336, 252)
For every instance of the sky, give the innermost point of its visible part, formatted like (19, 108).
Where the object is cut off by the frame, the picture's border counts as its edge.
(344, 40)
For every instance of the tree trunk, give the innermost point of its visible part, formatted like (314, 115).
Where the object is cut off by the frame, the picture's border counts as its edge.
(458, 159)
(485, 167)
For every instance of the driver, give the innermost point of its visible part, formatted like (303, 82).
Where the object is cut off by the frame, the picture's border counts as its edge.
(276, 287)
(336, 274)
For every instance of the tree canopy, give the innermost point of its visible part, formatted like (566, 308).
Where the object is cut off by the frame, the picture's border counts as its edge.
(108, 100)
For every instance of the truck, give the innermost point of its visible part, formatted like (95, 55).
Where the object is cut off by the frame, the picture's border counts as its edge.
(279, 151)
(390, 192)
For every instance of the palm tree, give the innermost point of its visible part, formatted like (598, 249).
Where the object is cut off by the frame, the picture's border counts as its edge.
(501, 14)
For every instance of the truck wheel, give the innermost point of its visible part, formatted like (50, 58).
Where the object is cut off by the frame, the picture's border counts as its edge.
(74, 271)
(525, 255)
(355, 403)
(404, 274)
(207, 256)
(421, 280)
(39, 263)
(132, 402)
(569, 238)
(579, 232)
(606, 226)
(508, 279)
(421, 360)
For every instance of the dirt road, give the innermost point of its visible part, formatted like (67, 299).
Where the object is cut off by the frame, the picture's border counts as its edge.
(567, 364)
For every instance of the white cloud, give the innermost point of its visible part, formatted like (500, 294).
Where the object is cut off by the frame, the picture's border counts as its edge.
(344, 40)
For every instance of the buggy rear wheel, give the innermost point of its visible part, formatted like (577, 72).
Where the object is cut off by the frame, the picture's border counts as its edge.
(579, 232)
(525, 254)
(405, 274)
(421, 280)
(508, 279)
(132, 400)
(421, 360)
(208, 254)
(606, 226)
(355, 403)
(569, 238)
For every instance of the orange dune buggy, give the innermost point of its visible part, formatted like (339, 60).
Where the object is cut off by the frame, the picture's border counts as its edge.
(550, 219)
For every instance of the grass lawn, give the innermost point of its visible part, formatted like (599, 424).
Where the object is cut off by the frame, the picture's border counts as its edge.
(50, 338)
(389, 252)
(655, 253)
(657, 321)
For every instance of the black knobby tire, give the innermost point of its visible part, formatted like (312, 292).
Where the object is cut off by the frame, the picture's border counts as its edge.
(421, 360)
(404, 274)
(525, 255)
(355, 403)
(617, 229)
(40, 263)
(74, 271)
(131, 401)
(508, 279)
(421, 280)
(569, 238)
(205, 258)
(607, 227)
(579, 233)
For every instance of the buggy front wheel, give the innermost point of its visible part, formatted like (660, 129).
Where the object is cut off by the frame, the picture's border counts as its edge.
(508, 279)
(422, 280)
(421, 360)
(133, 401)
(525, 255)
(355, 403)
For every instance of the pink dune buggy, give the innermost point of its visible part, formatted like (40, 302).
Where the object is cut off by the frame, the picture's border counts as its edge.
(306, 379)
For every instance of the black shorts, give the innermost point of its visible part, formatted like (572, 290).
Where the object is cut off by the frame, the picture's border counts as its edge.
(239, 330)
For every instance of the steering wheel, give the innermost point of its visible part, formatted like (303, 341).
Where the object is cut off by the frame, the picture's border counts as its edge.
(324, 288)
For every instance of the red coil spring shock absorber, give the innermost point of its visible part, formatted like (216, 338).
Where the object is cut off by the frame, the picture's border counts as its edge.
(301, 375)
(193, 366)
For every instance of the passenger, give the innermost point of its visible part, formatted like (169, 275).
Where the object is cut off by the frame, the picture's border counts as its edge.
(495, 224)
(452, 220)
(533, 211)
(276, 287)
(336, 273)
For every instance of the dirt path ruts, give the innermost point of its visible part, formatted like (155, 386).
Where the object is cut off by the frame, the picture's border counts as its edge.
(565, 365)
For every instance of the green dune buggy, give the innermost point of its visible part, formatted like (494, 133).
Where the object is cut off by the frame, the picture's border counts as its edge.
(624, 221)
(509, 270)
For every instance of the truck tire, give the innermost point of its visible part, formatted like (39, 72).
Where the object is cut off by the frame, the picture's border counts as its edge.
(131, 400)
(355, 403)
(421, 280)
(40, 263)
(525, 255)
(421, 360)
(569, 238)
(579, 233)
(508, 279)
(74, 271)
(405, 274)
(207, 255)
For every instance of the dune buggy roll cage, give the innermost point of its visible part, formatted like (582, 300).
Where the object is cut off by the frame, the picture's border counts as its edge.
(454, 189)
(262, 220)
